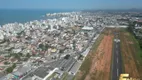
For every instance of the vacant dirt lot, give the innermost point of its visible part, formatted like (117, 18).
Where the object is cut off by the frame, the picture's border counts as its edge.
(99, 59)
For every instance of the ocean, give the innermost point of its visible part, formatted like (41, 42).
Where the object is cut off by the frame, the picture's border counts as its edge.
(22, 16)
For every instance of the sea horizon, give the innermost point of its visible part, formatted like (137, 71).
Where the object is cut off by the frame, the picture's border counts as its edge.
(25, 15)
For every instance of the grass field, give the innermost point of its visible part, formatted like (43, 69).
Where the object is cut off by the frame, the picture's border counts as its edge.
(131, 54)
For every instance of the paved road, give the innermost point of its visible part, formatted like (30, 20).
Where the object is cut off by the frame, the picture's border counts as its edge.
(117, 61)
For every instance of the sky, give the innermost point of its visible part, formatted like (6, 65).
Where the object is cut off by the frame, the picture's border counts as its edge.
(70, 4)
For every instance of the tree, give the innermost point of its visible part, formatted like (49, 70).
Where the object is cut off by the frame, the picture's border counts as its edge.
(131, 28)
(140, 43)
(17, 56)
(10, 69)
(20, 54)
(74, 44)
(14, 65)
(28, 55)
(43, 47)
(131, 25)
(46, 47)
(43, 25)
(6, 63)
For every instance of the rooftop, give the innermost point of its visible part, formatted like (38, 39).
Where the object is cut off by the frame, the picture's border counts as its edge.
(42, 71)
(87, 28)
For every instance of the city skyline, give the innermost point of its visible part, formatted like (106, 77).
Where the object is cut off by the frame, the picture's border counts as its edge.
(70, 40)
(72, 4)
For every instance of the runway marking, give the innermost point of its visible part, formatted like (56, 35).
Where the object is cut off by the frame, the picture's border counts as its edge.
(117, 60)
(117, 52)
(116, 46)
(117, 72)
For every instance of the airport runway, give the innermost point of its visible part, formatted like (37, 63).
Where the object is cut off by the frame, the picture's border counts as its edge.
(116, 60)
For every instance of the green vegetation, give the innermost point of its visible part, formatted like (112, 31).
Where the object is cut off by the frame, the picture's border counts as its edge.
(10, 69)
(130, 29)
(20, 54)
(52, 76)
(137, 47)
(136, 44)
(6, 63)
(134, 48)
(10, 49)
(43, 47)
(85, 67)
(17, 56)
(28, 55)
(64, 77)
(20, 33)
(137, 40)
(74, 43)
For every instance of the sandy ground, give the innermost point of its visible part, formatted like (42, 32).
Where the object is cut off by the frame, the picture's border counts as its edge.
(100, 68)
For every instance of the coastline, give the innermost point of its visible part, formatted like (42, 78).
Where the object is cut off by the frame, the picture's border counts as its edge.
(25, 15)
